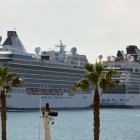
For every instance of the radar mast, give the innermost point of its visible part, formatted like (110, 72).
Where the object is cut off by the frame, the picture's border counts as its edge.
(61, 46)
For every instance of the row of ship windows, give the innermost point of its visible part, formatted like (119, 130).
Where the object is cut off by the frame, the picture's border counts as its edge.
(44, 85)
(18, 90)
(137, 70)
(135, 76)
(24, 90)
(133, 88)
(47, 70)
(75, 58)
(51, 76)
(43, 63)
(21, 59)
(55, 73)
(16, 56)
(135, 80)
(114, 91)
(137, 83)
(52, 64)
(51, 81)
(133, 92)
(43, 73)
(129, 92)
(45, 90)
(113, 100)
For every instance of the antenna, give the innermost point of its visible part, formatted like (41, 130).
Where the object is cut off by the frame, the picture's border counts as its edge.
(14, 28)
(61, 46)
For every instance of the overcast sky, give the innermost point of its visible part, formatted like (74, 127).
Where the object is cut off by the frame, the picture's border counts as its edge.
(94, 27)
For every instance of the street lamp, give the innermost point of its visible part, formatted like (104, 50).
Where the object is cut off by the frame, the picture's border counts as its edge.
(47, 118)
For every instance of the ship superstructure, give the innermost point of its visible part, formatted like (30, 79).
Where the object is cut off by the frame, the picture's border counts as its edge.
(127, 66)
(48, 76)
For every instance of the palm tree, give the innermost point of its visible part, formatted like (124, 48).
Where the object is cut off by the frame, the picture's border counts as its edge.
(8, 80)
(95, 77)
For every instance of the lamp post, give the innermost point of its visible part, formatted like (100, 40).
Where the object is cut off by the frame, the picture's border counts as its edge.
(47, 126)
(47, 120)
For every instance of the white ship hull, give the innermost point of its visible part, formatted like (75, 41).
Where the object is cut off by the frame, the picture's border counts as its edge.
(130, 100)
(25, 101)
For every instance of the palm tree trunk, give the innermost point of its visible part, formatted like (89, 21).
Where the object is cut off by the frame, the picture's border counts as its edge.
(96, 107)
(3, 114)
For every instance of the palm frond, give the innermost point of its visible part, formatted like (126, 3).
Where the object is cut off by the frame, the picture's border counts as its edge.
(89, 67)
(7, 89)
(110, 73)
(107, 82)
(3, 74)
(99, 68)
(17, 82)
(103, 83)
(81, 84)
(92, 77)
(10, 77)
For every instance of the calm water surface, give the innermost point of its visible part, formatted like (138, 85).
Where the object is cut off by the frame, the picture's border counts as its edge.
(116, 124)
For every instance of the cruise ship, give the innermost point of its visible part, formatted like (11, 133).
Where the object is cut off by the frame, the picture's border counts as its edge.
(48, 76)
(127, 66)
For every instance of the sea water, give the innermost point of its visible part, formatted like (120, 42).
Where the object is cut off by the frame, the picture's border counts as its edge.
(115, 124)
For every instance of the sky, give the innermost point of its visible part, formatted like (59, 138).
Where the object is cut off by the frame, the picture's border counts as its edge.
(94, 27)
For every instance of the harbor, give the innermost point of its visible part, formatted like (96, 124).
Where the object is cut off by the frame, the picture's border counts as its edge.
(70, 70)
(55, 78)
(116, 124)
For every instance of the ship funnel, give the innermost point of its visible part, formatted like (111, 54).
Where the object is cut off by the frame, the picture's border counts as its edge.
(11, 33)
(13, 43)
